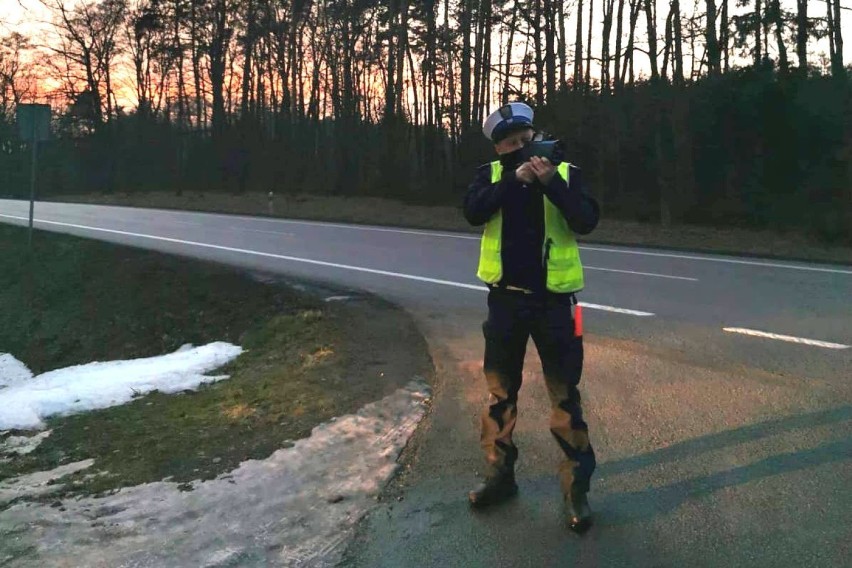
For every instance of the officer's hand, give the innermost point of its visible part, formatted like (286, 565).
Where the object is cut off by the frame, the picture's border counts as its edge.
(543, 169)
(525, 173)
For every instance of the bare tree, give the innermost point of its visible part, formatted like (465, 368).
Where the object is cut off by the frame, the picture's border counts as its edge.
(15, 81)
(88, 33)
(144, 33)
(628, 70)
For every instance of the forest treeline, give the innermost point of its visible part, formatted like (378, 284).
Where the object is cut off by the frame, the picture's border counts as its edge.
(717, 112)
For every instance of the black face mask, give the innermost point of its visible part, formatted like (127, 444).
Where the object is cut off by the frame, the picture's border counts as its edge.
(512, 160)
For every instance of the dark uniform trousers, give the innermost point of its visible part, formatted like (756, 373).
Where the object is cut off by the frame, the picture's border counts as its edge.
(513, 317)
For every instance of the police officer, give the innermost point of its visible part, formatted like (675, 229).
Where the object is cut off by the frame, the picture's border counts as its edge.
(529, 258)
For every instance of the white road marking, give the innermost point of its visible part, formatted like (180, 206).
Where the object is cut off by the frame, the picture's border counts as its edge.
(367, 228)
(789, 338)
(641, 273)
(724, 260)
(582, 247)
(616, 310)
(479, 287)
(476, 238)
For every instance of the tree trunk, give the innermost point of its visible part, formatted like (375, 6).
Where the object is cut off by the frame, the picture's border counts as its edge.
(608, 6)
(725, 36)
(563, 44)
(758, 24)
(713, 54)
(802, 35)
(838, 68)
(451, 83)
(678, 45)
(478, 53)
(651, 19)
(465, 28)
(779, 36)
(509, 49)
(248, 49)
(589, 44)
(218, 54)
(539, 59)
(200, 116)
(635, 8)
(390, 81)
(578, 47)
(485, 95)
(668, 47)
(619, 31)
(401, 48)
(550, 47)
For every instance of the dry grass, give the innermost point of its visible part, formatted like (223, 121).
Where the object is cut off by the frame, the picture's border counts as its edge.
(378, 211)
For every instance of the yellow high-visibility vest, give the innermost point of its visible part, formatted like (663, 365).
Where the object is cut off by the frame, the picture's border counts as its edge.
(559, 251)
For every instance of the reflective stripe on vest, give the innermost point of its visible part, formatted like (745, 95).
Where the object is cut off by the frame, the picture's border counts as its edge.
(559, 249)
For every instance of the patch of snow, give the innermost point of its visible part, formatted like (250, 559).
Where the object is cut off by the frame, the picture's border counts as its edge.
(338, 298)
(24, 404)
(272, 512)
(22, 445)
(12, 371)
(35, 484)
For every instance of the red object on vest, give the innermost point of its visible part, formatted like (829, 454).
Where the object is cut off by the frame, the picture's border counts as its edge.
(578, 321)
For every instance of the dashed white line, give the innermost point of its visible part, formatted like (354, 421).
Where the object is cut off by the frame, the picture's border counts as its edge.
(655, 275)
(788, 338)
(479, 287)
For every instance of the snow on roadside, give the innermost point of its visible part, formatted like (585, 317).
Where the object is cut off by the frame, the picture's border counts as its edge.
(299, 507)
(27, 400)
(12, 371)
(21, 445)
(38, 483)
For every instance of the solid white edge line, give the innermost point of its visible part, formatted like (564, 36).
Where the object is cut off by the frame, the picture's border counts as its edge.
(476, 238)
(788, 338)
(310, 261)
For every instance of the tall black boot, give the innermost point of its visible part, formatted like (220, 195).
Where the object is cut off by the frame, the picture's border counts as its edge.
(578, 513)
(495, 489)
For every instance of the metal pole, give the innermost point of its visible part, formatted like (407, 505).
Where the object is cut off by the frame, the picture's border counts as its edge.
(32, 185)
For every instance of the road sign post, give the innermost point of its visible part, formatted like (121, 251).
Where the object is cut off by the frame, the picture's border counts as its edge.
(33, 127)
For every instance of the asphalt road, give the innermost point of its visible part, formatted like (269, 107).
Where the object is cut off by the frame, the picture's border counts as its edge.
(717, 388)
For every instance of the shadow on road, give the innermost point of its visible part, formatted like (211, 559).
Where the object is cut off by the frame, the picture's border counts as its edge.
(689, 448)
(640, 505)
(647, 503)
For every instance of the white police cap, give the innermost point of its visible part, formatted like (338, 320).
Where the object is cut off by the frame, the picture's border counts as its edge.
(506, 118)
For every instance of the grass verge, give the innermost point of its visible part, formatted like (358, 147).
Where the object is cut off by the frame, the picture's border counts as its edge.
(306, 360)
